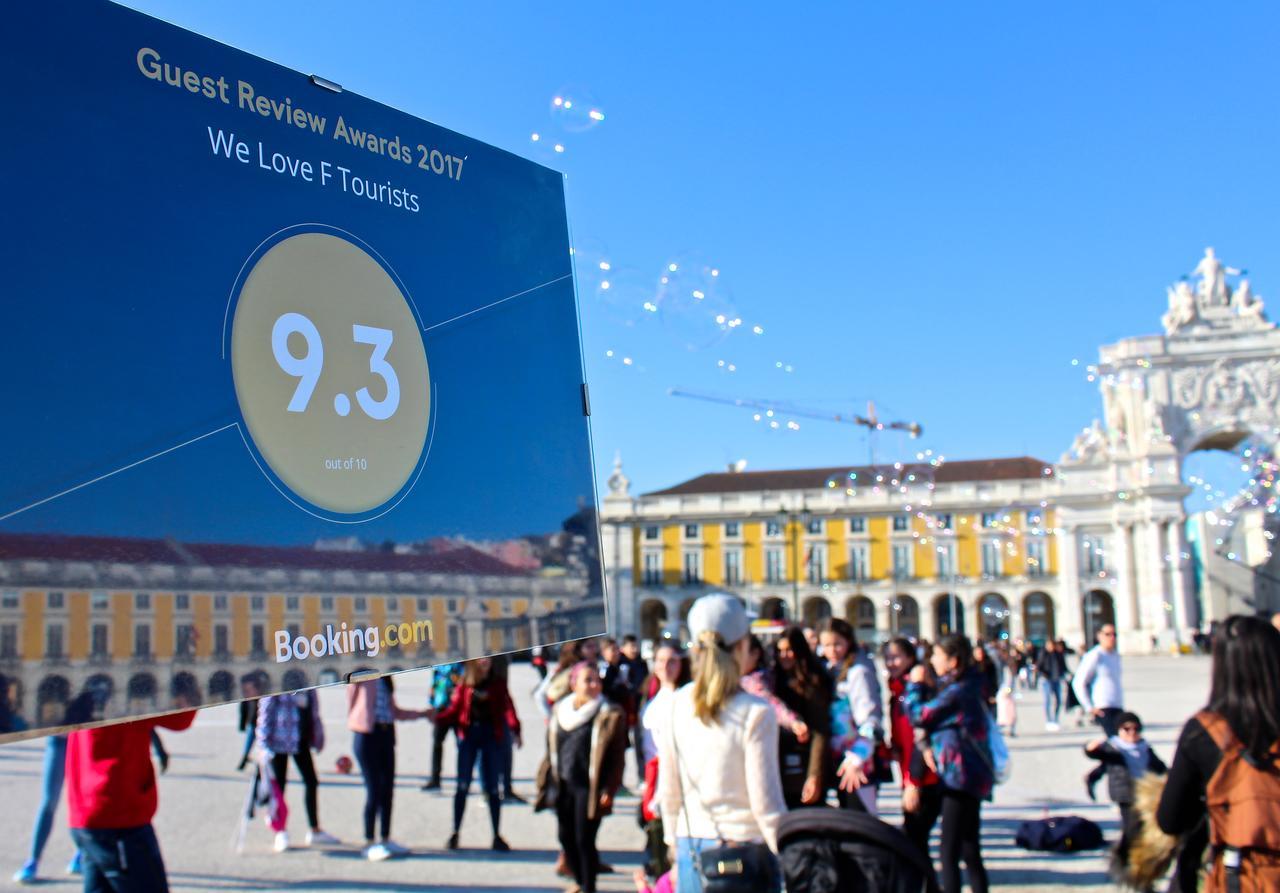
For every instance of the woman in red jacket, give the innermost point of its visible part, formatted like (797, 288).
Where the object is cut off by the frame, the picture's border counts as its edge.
(921, 793)
(483, 714)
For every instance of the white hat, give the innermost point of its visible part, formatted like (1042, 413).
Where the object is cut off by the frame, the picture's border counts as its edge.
(720, 613)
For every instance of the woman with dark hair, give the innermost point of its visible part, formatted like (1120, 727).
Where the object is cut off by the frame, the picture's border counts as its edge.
(921, 792)
(989, 673)
(955, 722)
(372, 713)
(1228, 757)
(857, 714)
(758, 679)
(482, 711)
(289, 725)
(802, 684)
(581, 774)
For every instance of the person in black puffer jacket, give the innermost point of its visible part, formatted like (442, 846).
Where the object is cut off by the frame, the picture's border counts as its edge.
(1124, 758)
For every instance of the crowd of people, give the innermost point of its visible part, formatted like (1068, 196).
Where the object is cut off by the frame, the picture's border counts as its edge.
(722, 741)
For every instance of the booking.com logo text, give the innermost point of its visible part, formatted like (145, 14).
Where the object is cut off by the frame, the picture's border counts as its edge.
(367, 639)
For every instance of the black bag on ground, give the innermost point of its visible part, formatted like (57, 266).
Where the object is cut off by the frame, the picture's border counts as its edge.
(1060, 834)
(826, 850)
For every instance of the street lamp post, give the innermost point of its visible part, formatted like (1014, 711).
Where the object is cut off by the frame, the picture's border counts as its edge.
(789, 518)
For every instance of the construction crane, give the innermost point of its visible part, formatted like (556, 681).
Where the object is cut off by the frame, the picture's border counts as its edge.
(871, 421)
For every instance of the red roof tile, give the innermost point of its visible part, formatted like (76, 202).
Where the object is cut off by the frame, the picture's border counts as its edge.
(50, 547)
(963, 470)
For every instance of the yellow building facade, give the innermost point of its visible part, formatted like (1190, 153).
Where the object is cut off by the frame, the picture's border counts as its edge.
(916, 550)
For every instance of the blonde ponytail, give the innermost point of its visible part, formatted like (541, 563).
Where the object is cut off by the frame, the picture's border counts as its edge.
(715, 676)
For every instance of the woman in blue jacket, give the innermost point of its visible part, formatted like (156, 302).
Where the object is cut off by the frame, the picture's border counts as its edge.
(954, 718)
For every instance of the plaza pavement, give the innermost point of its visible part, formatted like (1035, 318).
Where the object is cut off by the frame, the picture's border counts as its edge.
(201, 797)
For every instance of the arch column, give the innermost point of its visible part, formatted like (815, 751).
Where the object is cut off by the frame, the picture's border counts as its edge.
(1069, 607)
(928, 621)
(884, 616)
(1186, 615)
(1125, 591)
(1017, 616)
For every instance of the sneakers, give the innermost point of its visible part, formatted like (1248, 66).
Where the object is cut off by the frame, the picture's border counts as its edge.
(513, 797)
(1051, 727)
(321, 837)
(381, 852)
(75, 866)
(501, 846)
(282, 841)
(431, 784)
(26, 874)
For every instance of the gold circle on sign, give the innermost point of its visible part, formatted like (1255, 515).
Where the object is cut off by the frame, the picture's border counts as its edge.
(328, 450)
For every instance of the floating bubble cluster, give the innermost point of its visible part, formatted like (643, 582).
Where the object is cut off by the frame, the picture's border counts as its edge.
(575, 110)
(694, 304)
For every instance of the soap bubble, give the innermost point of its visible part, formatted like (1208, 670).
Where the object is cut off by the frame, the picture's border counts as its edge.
(694, 303)
(574, 109)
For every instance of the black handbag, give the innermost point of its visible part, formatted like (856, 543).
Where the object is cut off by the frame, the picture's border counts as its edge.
(729, 867)
(737, 868)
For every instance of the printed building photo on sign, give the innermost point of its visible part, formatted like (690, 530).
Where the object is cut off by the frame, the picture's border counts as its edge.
(293, 383)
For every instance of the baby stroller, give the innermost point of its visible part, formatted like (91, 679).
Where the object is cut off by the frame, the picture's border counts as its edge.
(842, 851)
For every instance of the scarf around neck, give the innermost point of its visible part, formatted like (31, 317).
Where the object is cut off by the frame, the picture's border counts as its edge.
(570, 717)
(1136, 755)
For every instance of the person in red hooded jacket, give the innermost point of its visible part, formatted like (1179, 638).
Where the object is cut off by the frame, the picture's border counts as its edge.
(481, 710)
(921, 793)
(111, 795)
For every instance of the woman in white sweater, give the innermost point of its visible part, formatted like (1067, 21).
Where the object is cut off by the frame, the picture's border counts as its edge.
(718, 779)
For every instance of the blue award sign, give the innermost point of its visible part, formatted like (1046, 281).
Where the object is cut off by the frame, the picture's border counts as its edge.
(293, 382)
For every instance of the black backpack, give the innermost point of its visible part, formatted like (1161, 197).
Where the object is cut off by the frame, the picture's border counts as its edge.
(1060, 834)
(825, 850)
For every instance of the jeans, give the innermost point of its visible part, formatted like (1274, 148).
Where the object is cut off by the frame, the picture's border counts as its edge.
(55, 763)
(479, 744)
(376, 753)
(689, 880)
(121, 860)
(1052, 689)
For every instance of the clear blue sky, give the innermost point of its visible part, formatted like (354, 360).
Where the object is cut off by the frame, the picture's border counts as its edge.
(935, 209)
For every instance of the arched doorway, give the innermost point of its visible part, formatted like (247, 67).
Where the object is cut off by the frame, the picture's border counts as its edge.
(101, 686)
(1037, 618)
(141, 692)
(948, 615)
(993, 617)
(221, 686)
(51, 699)
(816, 610)
(653, 618)
(906, 613)
(773, 608)
(1099, 610)
(860, 611)
(294, 680)
(685, 607)
(184, 688)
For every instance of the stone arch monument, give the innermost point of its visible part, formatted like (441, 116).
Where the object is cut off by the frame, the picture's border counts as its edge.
(1210, 381)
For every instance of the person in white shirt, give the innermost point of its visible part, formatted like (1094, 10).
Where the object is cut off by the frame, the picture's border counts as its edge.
(719, 781)
(1097, 682)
